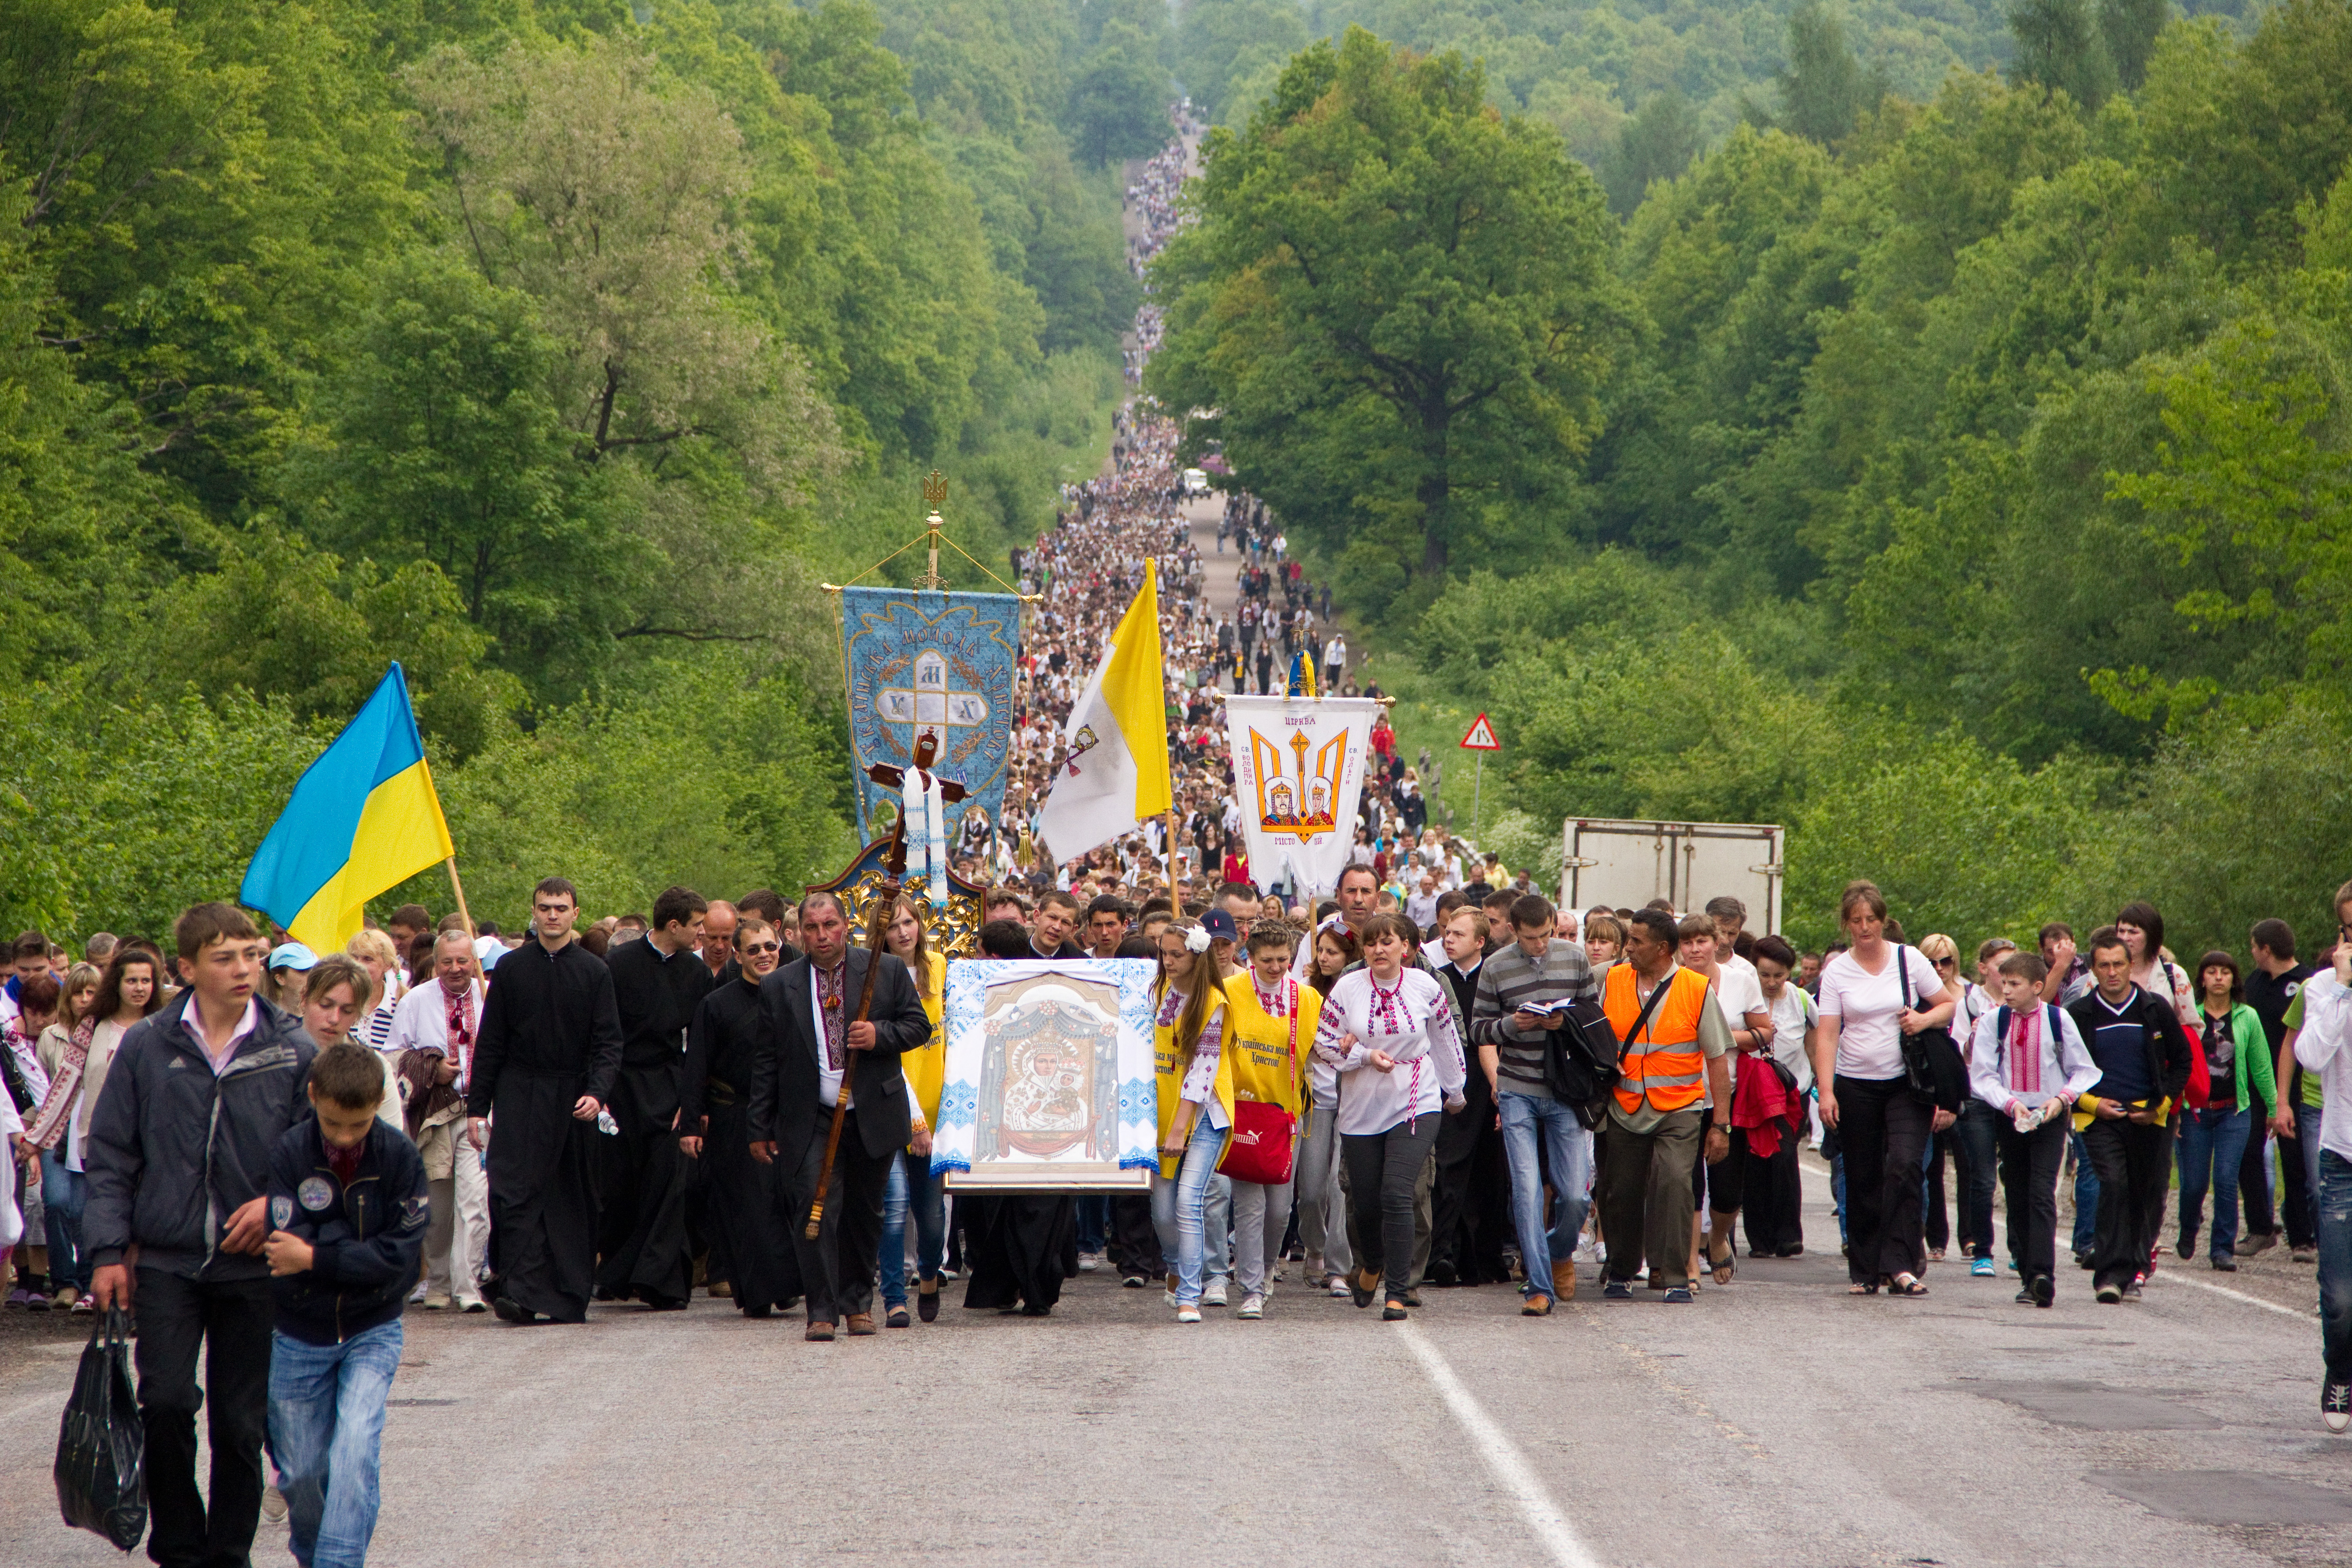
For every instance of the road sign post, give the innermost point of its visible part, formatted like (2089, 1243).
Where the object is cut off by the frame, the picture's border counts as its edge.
(1481, 740)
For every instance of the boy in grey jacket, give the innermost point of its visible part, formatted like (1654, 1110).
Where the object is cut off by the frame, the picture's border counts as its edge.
(178, 1164)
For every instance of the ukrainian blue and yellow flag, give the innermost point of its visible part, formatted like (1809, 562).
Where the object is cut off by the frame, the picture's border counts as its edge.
(363, 819)
(1302, 675)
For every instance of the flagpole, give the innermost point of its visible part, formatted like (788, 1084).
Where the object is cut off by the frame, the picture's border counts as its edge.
(459, 888)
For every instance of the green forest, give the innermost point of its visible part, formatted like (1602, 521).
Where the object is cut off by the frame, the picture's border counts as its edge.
(1962, 481)
(557, 349)
(1920, 423)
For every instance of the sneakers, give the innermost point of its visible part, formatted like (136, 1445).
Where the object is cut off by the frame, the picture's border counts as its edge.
(1215, 1294)
(2044, 1290)
(1187, 1313)
(2225, 1263)
(273, 1505)
(418, 1294)
(437, 1301)
(1679, 1295)
(2110, 1294)
(2131, 1291)
(1616, 1290)
(1127, 1281)
(1982, 1269)
(1253, 1306)
(2304, 1255)
(1088, 1262)
(2335, 1404)
(2260, 1242)
(1338, 1284)
(473, 1304)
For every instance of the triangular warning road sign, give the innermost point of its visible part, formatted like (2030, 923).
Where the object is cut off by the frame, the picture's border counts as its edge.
(1481, 737)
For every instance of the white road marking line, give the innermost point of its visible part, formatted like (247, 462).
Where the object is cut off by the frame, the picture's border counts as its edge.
(1508, 1465)
(2172, 1277)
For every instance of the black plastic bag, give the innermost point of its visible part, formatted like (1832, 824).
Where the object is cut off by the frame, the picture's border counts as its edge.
(101, 1466)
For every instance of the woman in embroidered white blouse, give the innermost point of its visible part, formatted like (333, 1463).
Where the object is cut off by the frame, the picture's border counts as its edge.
(1391, 1033)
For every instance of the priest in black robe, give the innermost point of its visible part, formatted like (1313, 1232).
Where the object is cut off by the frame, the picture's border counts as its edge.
(744, 1209)
(658, 983)
(811, 1043)
(550, 1047)
(1019, 1248)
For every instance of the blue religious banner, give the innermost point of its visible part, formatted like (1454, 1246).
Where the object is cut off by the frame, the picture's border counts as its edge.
(922, 661)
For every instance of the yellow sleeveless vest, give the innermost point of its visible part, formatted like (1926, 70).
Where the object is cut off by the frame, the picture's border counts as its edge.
(1171, 1082)
(1260, 1063)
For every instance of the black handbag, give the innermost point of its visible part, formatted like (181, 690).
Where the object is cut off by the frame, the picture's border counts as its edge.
(1932, 1067)
(1582, 1066)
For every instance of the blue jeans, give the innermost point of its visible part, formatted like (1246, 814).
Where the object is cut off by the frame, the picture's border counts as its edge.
(2212, 1146)
(62, 1194)
(1568, 1150)
(1179, 1207)
(2086, 1196)
(912, 1185)
(2334, 1189)
(2307, 1128)
(1973, 1135)
(326, 1437)
(1837, 1192)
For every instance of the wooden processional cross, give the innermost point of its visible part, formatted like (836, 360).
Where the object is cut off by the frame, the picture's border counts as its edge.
(886, 899)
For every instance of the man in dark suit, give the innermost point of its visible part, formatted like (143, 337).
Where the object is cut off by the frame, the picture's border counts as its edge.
(810, 1041)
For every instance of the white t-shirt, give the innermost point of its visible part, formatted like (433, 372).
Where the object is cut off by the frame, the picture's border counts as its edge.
(1737, 991)
(1870, 1042)
(1791, 1014)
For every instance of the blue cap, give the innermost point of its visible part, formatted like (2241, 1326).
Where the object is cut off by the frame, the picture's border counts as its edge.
(1220, 926)
(487, 950)
(292, 956)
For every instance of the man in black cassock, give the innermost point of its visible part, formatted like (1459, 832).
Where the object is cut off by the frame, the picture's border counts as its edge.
(1018, 1247)
(550, 1046)
(810, 1042)
(744, 1213)
(658, 984)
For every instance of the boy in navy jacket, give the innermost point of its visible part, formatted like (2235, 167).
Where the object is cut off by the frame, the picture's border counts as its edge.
(348, 1210)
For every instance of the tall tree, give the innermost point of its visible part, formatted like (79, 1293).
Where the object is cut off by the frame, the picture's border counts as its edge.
(2059, 48)
(1823, 88)
(1399, 302)
(1657, 144)
(2129, 28)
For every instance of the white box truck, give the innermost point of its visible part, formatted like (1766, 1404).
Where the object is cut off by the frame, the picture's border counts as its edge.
(1626, 863)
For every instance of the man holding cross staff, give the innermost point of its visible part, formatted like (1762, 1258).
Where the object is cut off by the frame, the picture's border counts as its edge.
(828, 1100)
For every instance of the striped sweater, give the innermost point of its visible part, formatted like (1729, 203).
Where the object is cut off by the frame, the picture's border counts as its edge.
(1509, 980)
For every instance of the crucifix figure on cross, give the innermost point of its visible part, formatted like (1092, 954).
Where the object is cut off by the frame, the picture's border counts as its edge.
(927, 752)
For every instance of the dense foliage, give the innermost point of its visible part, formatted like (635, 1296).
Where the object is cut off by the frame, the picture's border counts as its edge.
(557, 351)
(1971, 500)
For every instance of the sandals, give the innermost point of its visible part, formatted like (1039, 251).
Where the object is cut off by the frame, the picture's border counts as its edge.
(1905, 1285)
(1724, 1266)
(1861, 1290)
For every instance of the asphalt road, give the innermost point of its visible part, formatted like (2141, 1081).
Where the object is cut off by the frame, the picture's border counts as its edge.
(1775, 1421)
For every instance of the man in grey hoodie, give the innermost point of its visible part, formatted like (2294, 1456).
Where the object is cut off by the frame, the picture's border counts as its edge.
(178, 1169)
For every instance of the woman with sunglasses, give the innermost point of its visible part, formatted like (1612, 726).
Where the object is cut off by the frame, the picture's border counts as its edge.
(1389, 1033)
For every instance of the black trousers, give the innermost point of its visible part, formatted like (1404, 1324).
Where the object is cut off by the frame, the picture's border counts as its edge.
(2135, 1168)
(1470, 1204)
(1133, 1245)
(232, 1321)
(2029, 1183)
(1883, 1127)
(641, 1234)
(1383, 1172)
(2254, 1174)
(1935, 1219)
(837, 1267)
(1771, 1192)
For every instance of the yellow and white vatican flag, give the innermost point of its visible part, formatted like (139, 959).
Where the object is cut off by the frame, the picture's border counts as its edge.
(1115, 776)
(1298, 771)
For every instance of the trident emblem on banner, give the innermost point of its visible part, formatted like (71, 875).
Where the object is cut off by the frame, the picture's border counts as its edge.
(1289, 798)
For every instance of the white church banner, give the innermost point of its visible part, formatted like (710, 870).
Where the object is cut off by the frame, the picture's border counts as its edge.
(1298, 770)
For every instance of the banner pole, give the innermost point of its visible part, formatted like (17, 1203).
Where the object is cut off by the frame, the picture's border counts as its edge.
(459, 888)
(1477, 784)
